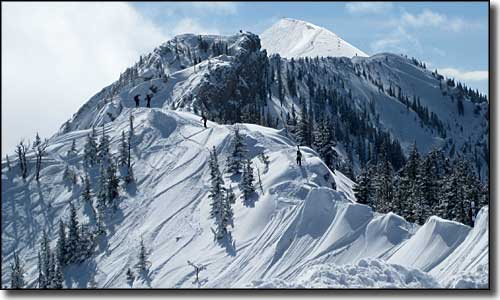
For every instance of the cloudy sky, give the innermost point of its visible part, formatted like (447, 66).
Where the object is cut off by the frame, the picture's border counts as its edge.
(55, 56)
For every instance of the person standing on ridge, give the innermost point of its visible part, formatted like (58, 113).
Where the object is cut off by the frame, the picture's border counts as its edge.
(136, 99)
(204, 119)
(299, 156)
(148, 99)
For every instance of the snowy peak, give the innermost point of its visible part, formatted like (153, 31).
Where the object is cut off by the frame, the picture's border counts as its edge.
(296, 38)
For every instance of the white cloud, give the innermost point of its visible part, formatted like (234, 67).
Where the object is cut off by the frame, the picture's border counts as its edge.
(228, 8)
(464, 75)
(397, 42)
(189, 25)
(57, 55)
(424, 19)
(365, 8)
(428, 18)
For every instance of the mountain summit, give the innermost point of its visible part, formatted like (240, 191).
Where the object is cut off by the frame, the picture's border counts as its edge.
(296, 38)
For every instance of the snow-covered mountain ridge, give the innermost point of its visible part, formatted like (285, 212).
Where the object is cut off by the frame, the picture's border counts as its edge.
(231, 79)
(295, 38)
(296, 229)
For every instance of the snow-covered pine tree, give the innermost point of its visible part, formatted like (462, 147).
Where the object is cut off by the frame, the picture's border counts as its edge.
(72, 151)
(67, 173)
(86, 192)
(103, 155)
(448, 196)
(427, 184)
(90, 149)
(131, 126)
(247, 186)
(383, 185)
(324, 143)
(265, 160)
(229, 199)
(45, 253)
(101, 229)
(406, 188)
(37, 141)
(85, 243)
(9, 167)
(21, 150)
(72, 242)
(143, 263)
(113, 182)
(130, 277)
(61, 253)
(52, 269)
(217, 196)
(362, 188)
(468, 191)
(57, 279)
(17, 273)
(230, 195)
(236, 159)
(102, 188)
(129, 176)
(41, 277)
(123, 150)
(303, 130)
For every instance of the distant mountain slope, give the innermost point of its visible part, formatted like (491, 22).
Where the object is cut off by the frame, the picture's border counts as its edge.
(295, 38)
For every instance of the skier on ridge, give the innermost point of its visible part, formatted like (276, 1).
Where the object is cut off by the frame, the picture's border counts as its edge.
(136, 99)
(148, 99)
(299, 156)
(204, 119)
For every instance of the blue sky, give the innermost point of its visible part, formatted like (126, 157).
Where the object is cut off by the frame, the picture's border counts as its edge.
(71, 50)
(452, 36)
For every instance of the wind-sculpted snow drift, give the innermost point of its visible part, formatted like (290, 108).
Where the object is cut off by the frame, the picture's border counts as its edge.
(297, 232)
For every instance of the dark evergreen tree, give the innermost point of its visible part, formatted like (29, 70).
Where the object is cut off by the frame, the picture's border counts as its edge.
(90, 149)
(21, 150)
(247, 186)
(17, 273)
(217, 196)
(265, 160)
(103, 155)
(40, 151)
(303, 130)
(383, 186)
(61, 253)
(41, 277)
(324, 143)
(143, 263)
(130, 277)
(112, 185)
(123, 150)
(72, 151)
(7, 162)
(236, 160)
(72, 242)
(45, 259)
(57, 279)
(86, 192)
(362, 188)
(102, 188)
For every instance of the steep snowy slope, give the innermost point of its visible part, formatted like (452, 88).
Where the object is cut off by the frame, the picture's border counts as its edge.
(296, 229)
(295, 38)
